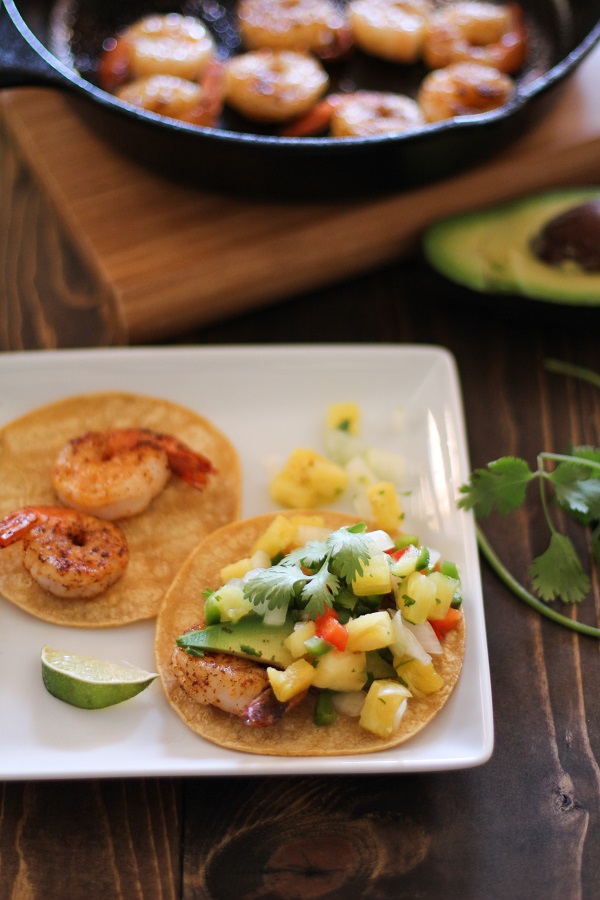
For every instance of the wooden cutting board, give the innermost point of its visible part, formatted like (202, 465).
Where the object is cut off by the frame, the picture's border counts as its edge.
(177, 258)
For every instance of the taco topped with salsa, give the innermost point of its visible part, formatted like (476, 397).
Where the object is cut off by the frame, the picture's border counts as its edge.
(297, 634)
(68, 454)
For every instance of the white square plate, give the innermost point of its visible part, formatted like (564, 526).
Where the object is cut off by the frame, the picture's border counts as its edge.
(268, 400)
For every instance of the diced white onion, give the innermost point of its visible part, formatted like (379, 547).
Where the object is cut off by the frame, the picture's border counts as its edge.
(340, 446)
(379, 541)
(386, 465)
(275, 616)
(362, 505)
(426, 636)
(405, 642)
(349, 703)
(399, 713)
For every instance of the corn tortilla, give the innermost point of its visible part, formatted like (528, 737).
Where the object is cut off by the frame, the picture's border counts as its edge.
(295, 734)
(160, 538)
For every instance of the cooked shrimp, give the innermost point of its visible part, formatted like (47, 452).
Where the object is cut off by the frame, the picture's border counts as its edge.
(315, 26)
(391, 29)
(233, 684)
(361, 114)
(116, 474)
(476, 32)
(177, 98)
(68, 553)
(463, 89)
(157, 45)
(274, 85)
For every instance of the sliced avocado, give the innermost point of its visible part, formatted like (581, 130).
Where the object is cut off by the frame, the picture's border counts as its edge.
(248, 637)
(499, 250)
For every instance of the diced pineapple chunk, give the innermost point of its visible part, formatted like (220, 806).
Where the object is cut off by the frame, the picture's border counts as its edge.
(231, 603)
(308, 480)
(344, 416)
(420, 677)
(258, 560)
(295, 642)
(385, 503)
(376, 577)
(277, 537)
(384, 707)
(445, 588)
(370, 632)
(341, 671)
(288, 682)
(416, 598)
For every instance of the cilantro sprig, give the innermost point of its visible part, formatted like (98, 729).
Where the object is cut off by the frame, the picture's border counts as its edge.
(312, 575)
(572, 479)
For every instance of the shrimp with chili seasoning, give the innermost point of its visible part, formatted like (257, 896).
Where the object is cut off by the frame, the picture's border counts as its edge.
(359, 114)
(463, 89)
(478, 32)
(233, 684)
(390, 29)
(308, 26)
(116, 474)
(274, 85)
(68, 553)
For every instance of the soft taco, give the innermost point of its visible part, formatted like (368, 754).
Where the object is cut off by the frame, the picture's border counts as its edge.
(303, 678)
(159, 539)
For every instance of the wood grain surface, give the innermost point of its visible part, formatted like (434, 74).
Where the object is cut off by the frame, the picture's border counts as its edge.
(165, 257)
(524, 825)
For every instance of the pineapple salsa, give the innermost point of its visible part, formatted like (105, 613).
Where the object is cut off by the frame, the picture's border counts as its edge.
(370, 476)
(352, 615)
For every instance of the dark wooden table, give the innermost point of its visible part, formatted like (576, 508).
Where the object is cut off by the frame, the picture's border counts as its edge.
(525, 824)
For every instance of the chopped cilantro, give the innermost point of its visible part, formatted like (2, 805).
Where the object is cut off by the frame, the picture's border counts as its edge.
(315, 574)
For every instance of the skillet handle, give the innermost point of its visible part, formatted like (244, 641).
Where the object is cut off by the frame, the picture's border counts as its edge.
(20, 63)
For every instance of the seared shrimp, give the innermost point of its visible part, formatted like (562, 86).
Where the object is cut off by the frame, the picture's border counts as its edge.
(116, 474)
(476, 32)
(157, 45)
(274, 85)
(315, 26)
(174, 97)
(235, 685)
(68, 553)
(391, 29)
(463, 89)
(360, 114)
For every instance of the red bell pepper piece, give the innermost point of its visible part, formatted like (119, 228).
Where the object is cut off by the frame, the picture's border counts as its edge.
(451, 621)
(330, 629)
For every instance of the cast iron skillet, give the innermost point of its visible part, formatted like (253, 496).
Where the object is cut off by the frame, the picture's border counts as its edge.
(57, 42)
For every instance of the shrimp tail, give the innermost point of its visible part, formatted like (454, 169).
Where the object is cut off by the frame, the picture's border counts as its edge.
(15, 526)
(340, 48)
(266, 709)
(191, 467)
(313, 122)
(114, 65)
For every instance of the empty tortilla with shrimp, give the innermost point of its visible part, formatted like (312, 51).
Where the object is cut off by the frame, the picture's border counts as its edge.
(159, 539)
(295, 734)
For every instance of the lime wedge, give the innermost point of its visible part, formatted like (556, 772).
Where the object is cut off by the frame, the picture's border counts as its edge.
(91, 683)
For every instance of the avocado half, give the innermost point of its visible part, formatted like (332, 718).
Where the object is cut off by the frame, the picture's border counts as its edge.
(492, 251)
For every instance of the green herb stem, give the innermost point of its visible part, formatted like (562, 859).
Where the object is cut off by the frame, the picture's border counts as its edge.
(517, 588)
(563, 368)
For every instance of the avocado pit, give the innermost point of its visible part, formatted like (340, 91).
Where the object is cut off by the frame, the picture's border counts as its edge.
(572, 236)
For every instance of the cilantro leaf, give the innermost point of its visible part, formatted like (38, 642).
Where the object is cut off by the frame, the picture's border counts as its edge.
(577, 489)
(319, 591)
(558, 572)
(348, 550)
(274, 587)
(311, 555)
(501, 484)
